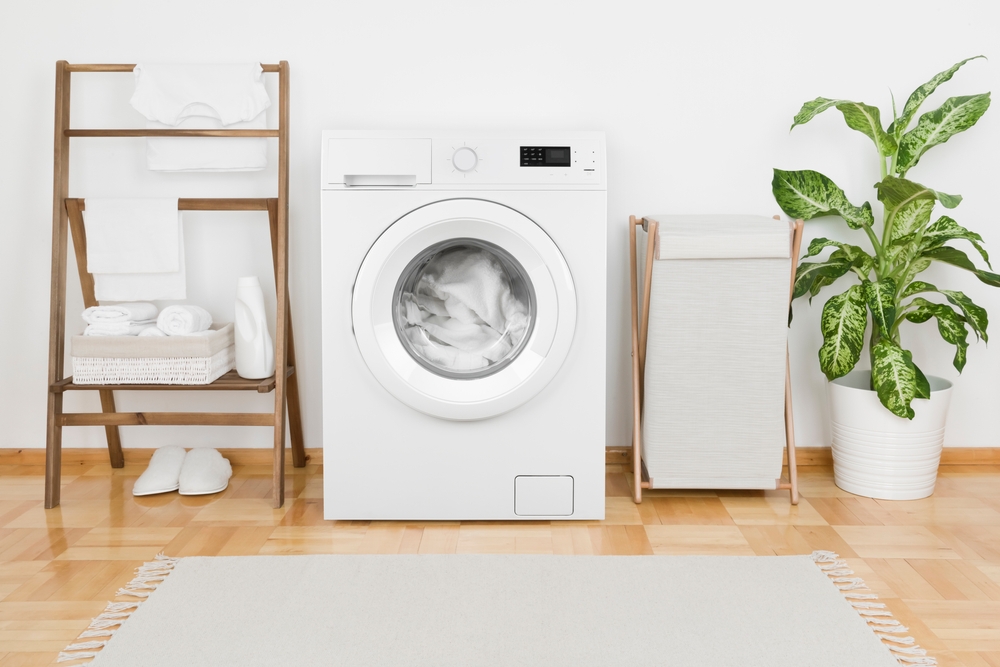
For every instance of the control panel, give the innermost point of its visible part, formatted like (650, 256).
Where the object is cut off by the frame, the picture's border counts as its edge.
(545, 156)
(492, 160)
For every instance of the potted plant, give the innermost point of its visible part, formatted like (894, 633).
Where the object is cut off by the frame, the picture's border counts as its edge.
(890, 450)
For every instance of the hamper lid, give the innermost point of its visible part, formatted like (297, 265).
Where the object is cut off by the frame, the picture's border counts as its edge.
(720, 237)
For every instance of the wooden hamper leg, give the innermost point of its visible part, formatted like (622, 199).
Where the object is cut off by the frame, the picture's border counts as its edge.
(636, 371)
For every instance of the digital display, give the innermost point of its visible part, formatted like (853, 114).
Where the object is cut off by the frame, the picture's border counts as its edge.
(546, 156)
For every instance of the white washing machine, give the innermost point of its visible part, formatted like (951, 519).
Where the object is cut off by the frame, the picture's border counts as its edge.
(464, 325)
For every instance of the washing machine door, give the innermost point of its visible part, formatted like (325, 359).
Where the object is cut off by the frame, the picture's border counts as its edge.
(464, 309)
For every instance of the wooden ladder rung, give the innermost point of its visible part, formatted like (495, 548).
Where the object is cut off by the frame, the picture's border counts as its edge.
(205, 204)
(231, 381)
(170, 133)
(167, 419)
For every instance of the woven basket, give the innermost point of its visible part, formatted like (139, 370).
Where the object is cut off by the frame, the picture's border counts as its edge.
(153, 370)
(184, 360)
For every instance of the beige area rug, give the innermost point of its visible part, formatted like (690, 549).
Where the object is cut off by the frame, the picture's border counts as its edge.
(443, 611)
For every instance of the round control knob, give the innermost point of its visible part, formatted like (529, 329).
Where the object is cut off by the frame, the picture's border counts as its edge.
(465, 159)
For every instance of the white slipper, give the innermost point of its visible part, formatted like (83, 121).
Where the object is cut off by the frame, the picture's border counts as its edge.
(163, 473)
(204, 472)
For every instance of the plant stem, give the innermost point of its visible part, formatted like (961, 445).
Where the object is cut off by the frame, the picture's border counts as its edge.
(872, 342)
(878, 250)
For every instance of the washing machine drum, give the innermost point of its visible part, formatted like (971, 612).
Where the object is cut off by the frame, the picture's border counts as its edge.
(464, 309)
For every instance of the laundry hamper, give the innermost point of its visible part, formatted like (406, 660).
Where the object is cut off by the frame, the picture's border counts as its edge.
(712, 403)
(189, 360)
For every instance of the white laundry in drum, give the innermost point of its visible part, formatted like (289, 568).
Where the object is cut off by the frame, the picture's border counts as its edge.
(462, 314)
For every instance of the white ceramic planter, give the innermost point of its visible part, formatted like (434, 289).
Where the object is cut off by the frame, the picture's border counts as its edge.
(879, 455)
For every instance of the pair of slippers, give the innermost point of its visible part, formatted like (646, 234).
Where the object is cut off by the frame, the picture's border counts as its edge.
(195, 473)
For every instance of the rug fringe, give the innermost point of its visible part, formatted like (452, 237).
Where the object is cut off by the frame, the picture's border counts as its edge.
(147, 577)
(875, 614)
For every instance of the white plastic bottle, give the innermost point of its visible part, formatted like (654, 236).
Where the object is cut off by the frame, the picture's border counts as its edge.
(254, 348)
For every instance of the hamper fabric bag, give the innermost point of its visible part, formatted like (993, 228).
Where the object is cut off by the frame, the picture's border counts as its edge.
(715, 360)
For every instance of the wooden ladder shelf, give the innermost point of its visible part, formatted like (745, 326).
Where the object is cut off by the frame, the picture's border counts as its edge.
(67, 217)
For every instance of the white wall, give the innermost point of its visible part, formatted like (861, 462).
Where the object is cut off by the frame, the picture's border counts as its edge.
(696, 99)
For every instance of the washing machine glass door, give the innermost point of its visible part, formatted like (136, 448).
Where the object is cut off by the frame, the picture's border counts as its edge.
(464, 309)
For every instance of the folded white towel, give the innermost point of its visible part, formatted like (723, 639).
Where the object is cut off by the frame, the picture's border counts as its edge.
(132, 235)
(144, 286)
(152, 331)
(121, 312)
(207, 153)
(119, 328)
(184, 320)
(170, 92)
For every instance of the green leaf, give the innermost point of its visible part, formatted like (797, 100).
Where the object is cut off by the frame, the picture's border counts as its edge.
(856, 256)
(858, 116)
(880, 297)
(809, 273)
(908, 205)
(917, 287)
(951, 326)
(894, 377)
(945, 229)
(914, 269)
(918, 96)
(976, 316)
(956, 257)
(923, 386)
(810, 194)
(843, 324)
(957, 114)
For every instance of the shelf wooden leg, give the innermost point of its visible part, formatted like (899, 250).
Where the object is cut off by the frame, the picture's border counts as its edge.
(53, 451)
(114, 439)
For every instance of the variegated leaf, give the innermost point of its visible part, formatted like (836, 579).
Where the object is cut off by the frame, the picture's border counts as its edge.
(908, 206)
(945, 229)
(808, 273)
(915, 268)
(918, 96)
(810, 194)
(976, 316)
(857, 257)
(894, 377)
(923, 386)
(951, 326)
(880, 296)
(957, 114)
(916, 287)
(859, 116)
(843, 324)
(956, 257)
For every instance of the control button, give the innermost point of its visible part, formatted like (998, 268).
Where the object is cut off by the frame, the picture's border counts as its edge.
(465, 159)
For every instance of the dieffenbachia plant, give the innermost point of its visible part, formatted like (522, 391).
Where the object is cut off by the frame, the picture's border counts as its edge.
(908, 243)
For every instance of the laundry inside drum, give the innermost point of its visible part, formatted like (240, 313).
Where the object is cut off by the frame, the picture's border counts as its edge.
(464, 308)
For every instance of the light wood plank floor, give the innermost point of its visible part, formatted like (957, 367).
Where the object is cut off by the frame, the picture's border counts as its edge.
(936, 562)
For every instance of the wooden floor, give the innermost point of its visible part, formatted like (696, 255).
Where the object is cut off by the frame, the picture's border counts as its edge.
(936, 562)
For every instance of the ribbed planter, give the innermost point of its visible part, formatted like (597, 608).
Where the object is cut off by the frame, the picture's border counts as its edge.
(879, 455)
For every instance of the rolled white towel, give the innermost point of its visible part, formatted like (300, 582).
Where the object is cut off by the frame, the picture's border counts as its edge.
(152, 331)
(122, 312)
(183, 320)
(119, 328)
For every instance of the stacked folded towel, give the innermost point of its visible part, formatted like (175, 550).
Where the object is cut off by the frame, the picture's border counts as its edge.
(123, 319)
(184, 320)
(145, 319)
